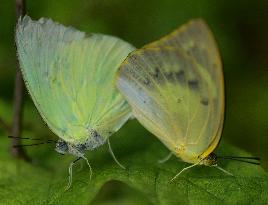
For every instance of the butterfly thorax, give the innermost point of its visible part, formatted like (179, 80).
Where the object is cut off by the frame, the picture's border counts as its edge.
(210, 160)
(94, 140)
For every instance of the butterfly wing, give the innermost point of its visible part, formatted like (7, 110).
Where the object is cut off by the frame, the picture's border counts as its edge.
(197, 40)
(176, 91)
(70, 77)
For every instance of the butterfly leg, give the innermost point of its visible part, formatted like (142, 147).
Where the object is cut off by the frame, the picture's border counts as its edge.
(112, 153)
(90, 169)
(71, 173)
(184, 169)
(166, 158)
(223, 170)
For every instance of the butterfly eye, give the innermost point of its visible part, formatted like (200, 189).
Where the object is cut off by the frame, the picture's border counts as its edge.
(61, 147)
(212, 156)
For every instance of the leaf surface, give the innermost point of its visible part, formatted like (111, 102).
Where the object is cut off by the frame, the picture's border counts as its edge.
(43, 182)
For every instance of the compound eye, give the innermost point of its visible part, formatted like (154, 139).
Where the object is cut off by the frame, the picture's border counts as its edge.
(61, 147)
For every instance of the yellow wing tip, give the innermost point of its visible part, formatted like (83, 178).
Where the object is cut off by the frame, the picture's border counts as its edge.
(198, 20)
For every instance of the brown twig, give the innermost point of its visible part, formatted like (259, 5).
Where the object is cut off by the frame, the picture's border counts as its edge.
(18, 98)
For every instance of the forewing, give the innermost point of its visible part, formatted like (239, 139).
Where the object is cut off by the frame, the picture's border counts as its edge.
(70, 77)
(173, 94)
(197, 40)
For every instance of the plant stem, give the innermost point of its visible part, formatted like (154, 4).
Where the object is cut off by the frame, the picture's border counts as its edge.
(18, 98)
(5, 126)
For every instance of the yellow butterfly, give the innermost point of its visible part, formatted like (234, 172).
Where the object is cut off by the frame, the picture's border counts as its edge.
(175, 87)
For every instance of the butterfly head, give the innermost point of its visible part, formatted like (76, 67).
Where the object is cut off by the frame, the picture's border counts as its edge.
(210, 160)
(62, 147)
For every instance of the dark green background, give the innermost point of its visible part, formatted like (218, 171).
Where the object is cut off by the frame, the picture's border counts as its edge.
(240, 28)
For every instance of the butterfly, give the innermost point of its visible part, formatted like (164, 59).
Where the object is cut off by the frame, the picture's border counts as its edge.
(70, 77)
(175, 87)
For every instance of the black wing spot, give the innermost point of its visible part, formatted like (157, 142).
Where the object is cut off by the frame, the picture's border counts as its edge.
(156, 75)
(180, 76)
(193, 84)
(169, 76)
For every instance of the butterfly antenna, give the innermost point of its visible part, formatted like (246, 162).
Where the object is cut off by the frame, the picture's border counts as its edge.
(27, 138)
(35, 139)
(231, 157)
(249, 160)
(29, 145)
(112, 153)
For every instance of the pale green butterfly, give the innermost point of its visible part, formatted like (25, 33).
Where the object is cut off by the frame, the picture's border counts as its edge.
(175, 87)
(70, 77)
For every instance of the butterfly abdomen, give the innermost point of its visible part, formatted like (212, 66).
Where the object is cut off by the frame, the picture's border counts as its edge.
(94, 141)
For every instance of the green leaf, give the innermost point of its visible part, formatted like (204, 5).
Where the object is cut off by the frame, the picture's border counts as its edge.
(43, 182)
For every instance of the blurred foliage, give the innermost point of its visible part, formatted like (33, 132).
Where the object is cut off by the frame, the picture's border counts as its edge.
(240, 28)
